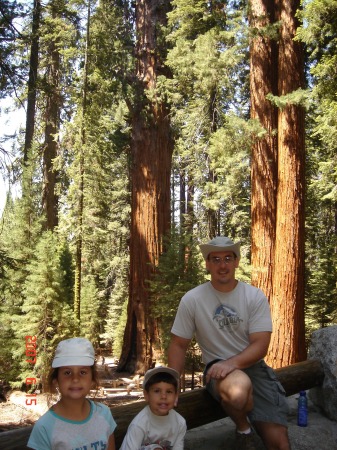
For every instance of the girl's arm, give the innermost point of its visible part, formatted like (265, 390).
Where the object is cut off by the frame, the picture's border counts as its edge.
(111, 442)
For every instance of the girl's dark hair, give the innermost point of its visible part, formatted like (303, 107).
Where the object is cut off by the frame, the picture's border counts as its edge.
(161, 377)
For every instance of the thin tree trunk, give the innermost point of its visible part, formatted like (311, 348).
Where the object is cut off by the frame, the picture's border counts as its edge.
(287, 305)
(50, 150)
(32, 80)
(80, 211)
(189, 222)
(150, 175)
(183, 200)
(186, 216)
(263, 80)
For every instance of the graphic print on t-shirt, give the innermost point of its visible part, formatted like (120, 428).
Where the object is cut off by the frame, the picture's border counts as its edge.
(227, 318)
(165, 445)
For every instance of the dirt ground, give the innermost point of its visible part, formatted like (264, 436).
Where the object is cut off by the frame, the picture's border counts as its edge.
(321, 433)
(16, 412)
(115, 389)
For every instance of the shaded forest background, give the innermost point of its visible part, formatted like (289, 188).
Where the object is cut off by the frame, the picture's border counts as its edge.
(152, 126)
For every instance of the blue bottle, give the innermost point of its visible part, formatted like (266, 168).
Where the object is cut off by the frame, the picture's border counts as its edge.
(302, 410)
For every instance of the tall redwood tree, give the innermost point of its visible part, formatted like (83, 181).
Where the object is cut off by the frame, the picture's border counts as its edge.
(287, 305)
(263, 81)
(151, 155)
(278, 177)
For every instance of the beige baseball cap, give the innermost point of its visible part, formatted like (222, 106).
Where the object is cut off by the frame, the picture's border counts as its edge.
(220, 244)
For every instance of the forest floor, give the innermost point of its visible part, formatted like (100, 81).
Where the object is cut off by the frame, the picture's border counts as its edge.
(121, 388)
(116, 388)
(15, 413)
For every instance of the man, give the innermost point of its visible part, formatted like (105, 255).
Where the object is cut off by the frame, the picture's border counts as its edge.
(232, 324)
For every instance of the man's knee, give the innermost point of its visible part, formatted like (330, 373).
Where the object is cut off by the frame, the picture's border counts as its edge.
(236, 390)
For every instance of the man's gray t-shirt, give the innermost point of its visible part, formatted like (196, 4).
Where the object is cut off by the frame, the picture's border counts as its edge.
(222, 321)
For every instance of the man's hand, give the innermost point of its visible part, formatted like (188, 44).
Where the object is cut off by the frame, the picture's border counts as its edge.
(220, 370)
(256, 350)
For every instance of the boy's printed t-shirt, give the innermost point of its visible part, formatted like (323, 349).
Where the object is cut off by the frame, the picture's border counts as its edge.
(52, 432)
(148, 431)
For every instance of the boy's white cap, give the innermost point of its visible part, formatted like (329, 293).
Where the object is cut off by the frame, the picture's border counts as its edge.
(160, 369)
(74, 352)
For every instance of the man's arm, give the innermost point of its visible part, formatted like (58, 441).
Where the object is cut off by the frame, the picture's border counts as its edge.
(177, 352)
(256, 350)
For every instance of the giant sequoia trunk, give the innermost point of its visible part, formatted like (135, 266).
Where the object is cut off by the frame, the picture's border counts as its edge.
(287, 305)
(263, 80)
(278, 178)
(150, 177)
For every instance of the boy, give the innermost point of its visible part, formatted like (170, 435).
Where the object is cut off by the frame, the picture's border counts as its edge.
(157, 426)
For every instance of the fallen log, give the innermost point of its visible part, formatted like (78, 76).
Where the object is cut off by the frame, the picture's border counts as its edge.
(197, 406)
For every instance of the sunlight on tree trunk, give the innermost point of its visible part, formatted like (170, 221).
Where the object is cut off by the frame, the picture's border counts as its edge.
(287, 303)
(150, 174)
(263, 80)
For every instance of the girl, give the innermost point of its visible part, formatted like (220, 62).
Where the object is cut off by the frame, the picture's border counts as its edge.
(74, 422)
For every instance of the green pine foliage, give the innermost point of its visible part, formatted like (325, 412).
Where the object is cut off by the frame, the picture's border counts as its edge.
(319, 33)
(46, 310)
(91, 325)
(116, 294)
(117, 317)
(8, 365)
(321, 242)
(207, 87)
(20, 228)
(229, 152)
(10, 76)
(179, 270)
(101, 152)
(209, 99)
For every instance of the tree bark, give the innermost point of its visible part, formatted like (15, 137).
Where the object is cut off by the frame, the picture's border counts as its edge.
(50, 150)
(278, 178)
(212, 216)
(151, 151)
(81, 172)
(263, 81)
(287, 304)
(32, 80)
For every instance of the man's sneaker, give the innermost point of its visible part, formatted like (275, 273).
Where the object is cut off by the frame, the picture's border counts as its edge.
(245, 441)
